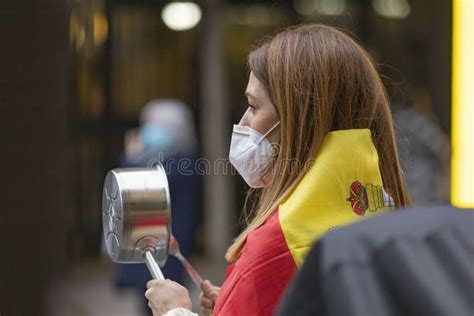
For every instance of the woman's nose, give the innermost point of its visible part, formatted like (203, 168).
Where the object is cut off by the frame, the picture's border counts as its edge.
(246, 119)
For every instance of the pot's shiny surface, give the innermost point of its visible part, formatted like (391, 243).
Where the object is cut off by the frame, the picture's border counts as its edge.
(136, 214)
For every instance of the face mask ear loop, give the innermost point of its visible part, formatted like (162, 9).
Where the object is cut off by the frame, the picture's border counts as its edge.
(269, 131)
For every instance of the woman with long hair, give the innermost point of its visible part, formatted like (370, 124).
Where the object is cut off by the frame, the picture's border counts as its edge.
(317, 148)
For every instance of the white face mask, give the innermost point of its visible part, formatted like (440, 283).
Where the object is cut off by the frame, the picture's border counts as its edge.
(250, 153)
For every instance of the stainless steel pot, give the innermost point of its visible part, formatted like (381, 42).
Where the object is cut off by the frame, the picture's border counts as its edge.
(136, 216)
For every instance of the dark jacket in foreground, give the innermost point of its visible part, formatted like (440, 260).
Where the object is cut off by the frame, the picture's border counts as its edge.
(414, 262)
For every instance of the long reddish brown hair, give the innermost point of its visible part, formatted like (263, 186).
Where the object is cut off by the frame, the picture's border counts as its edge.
(319, 80)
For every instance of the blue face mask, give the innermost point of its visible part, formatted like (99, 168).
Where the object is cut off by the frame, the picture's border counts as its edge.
(156, 137)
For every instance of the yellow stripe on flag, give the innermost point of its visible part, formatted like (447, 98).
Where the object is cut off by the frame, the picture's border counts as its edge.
(344, 179)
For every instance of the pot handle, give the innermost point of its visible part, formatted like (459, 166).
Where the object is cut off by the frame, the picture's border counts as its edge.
(153, 266)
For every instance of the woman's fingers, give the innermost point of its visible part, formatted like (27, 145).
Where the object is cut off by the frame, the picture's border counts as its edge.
(206, 286)
(208, 297)
(165, 295)
(214, 293)
(153, 287)
(206, 303)
(209, 290)
(156, 283)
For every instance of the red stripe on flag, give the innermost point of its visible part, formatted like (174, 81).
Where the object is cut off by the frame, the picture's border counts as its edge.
(259, 277)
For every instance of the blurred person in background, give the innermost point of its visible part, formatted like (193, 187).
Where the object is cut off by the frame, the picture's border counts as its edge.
(314, 145)
(166, 135)
(425, 150)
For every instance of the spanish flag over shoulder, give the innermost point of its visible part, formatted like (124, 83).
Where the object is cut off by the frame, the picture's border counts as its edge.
(343, 185)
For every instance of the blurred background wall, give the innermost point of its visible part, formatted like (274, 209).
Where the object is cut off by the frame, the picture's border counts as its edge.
(38, 195)
(75, 74)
